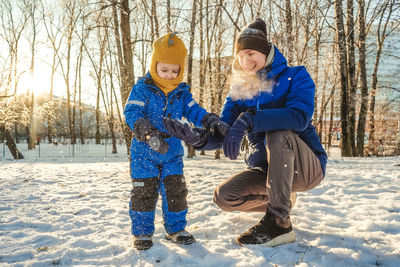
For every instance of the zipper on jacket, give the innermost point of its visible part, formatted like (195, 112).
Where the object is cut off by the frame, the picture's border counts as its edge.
(168, 96)
(166, 105)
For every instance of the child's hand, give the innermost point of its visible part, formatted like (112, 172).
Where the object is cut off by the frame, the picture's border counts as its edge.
(195, 137)
(146, 132)
(157, 143)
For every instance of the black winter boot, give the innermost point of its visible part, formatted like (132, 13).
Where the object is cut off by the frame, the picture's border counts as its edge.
(182, 237)
(270, 231)
(142, 242)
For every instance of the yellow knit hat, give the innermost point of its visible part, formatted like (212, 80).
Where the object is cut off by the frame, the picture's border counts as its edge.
(168, 49)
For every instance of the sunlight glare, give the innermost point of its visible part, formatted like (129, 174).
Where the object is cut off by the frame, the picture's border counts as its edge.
(39, 83)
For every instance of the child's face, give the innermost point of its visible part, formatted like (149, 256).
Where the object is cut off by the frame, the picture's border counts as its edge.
(167, 71)
(251, 61)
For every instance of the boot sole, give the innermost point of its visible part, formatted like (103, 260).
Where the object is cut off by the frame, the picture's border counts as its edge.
(181, 242)
(280, 240)
(142, 248)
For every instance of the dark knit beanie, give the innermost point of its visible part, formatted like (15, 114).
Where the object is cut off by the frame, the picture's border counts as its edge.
(253, 36)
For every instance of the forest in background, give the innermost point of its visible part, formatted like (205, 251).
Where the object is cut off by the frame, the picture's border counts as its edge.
(98, 49)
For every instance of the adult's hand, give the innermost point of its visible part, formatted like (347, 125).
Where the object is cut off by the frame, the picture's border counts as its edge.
(235, 135)
(215, 125)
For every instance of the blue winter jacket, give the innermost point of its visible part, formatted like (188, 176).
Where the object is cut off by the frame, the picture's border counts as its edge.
(289, 106)
(146, 100)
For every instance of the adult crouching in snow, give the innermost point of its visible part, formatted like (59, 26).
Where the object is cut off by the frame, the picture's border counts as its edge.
(273, 104)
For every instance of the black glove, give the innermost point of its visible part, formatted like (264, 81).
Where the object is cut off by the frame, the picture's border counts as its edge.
(193, 136)
(146, 132)
(214, 125)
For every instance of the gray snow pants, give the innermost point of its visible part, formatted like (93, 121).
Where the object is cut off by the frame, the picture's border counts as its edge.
(292, 167)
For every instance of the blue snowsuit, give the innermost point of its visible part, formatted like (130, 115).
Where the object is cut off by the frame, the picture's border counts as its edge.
(290, 105)
(154, 173)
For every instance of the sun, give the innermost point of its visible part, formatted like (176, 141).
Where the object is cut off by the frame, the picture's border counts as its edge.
(40, 83)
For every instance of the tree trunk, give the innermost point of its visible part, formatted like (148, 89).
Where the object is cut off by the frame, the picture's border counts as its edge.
(73, 141)
(217, 154)
(169, 15)
(99, 87)
(363, 80)
(31, 7)
(127, 47)
(317, 36)
(81, 130)
(191, 43)
(371, 139)
(32, 125)
(202, 76)
(125, 62)
(16, 133)
(49, 120)
(341, 39)
(351, 76)
(111, 126)
(191, 151)
(330, 130)
(69, 45)
(10, 143)
(154, 19)
(98, 138)
(385, 18)
(111, 115)
(289, 34)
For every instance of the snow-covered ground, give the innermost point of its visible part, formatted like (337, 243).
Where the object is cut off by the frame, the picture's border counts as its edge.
(62, 210)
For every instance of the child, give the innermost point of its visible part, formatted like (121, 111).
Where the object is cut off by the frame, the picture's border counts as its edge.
(156, 165)
(273, 105)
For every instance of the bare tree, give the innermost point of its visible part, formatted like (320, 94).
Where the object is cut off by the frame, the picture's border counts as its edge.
(125, 55)
(384, 29)
(191, 151)
(110, 117)
(72, 14)
(363, 79)
(341, 39)
(319, 27)
(13, 24)
(31, 8)
(351, 76)
(289, 34)
(10, 143)
(169, 15)
(12, 110)
(55, 38)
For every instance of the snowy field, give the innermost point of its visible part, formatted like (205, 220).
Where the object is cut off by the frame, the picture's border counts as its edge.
(70, 210)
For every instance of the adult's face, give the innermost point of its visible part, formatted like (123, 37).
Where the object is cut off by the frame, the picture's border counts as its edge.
(251, 61)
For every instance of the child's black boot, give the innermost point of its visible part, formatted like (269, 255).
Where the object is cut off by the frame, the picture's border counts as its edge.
(142, 242)
(182, 237)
